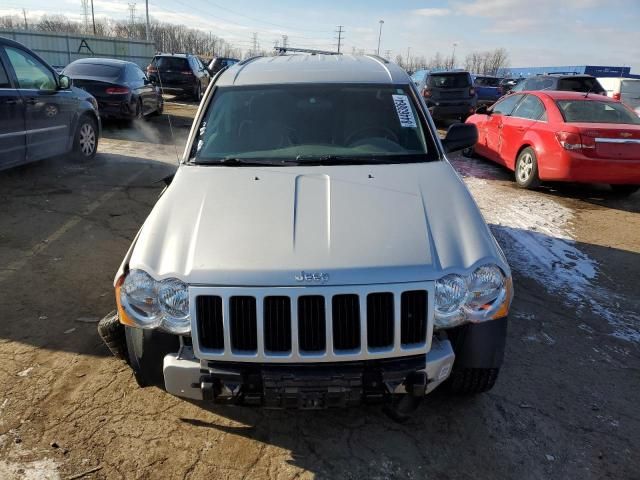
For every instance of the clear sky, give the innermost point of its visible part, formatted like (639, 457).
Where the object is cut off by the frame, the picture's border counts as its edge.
(535, 32)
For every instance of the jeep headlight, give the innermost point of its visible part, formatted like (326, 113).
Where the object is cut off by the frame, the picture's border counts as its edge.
(147, 303)
(483, 295)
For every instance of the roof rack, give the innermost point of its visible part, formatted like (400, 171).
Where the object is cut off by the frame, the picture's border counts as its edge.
(283, 50)
(377, 57)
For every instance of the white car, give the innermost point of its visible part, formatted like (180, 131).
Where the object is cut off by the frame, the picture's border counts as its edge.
(315, 248)
(627, 90)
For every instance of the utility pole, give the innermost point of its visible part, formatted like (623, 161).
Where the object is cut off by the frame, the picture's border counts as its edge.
(132, 18)
(148, 28)
(254, 48)
(453, 55)
(85, 14)
(340, 31)
(24, 14)
(379, 37)
(93, 18)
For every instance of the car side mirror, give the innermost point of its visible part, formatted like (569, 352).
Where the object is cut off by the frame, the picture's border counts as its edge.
(460, 136)
(64, 82)
(483, 110)
(148, 82)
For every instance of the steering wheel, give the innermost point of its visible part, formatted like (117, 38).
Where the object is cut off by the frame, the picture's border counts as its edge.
(386, 133)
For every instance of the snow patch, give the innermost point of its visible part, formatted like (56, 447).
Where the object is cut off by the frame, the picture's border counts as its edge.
(536, 234)
(45, 469)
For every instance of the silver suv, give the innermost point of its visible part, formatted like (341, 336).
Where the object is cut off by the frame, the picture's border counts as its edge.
(315, 248)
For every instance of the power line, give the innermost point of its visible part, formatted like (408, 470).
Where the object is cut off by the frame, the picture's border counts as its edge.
(340, 32)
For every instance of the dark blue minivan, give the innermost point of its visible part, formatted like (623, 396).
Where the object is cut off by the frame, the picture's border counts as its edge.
(41, 114)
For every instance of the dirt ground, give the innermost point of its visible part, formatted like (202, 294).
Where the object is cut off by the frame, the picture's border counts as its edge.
(565, 405)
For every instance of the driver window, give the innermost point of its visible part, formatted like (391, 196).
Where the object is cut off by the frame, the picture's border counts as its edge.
(31, 73)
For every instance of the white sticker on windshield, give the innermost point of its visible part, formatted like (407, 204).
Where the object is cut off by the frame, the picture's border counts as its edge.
(403, 108)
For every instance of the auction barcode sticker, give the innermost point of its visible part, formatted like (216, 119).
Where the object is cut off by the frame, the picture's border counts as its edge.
(403, 108)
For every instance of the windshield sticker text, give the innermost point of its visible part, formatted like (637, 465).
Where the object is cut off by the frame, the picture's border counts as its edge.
(403, 108)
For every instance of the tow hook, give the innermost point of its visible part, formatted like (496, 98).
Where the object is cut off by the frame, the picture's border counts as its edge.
(402, 407)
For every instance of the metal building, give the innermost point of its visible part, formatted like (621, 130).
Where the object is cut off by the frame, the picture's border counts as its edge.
(595, 70)
(60, 49)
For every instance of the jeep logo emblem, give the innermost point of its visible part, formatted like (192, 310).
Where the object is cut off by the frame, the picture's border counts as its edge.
(318, 277)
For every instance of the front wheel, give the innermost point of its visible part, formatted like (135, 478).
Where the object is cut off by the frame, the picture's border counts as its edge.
(85, 143)
(526, 171)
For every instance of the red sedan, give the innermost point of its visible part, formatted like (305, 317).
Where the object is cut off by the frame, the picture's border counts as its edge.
(562, 136)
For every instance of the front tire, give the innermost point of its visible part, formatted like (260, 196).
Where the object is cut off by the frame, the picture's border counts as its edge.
(85, 142)
(526, 171)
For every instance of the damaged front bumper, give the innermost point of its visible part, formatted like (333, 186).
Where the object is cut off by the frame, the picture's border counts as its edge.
(307, 386)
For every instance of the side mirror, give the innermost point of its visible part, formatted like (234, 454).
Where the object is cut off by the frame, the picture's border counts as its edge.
(148, 82)
(460, 136)
(483, 110)
(64, 82)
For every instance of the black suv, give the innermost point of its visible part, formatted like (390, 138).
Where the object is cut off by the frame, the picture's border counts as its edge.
(566, 83)
(179, 73)
(449, 95)
(41, 114)
(219, 63)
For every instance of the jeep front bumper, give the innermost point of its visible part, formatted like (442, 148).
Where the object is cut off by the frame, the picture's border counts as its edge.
(306, 386)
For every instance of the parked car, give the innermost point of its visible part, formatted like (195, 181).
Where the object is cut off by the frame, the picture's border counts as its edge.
(315, 248)
(41, 114)
(507, 84)
(562, 136)
(121, 88)
(179, 73)
(566, 83)
(219, 63)
(627, 90)
(487, 88)
(448, 95)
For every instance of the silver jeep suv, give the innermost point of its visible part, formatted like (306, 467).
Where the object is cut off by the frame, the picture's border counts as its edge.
(315, 248)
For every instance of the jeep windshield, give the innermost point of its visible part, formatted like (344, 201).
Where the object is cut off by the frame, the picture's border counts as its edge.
(312, 124)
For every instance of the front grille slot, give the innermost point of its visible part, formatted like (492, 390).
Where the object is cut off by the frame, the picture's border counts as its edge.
(380, 320)
(346, 322)
(277, 324)
(413, 317)
(210, 326)
(244, 334)
(311, 323)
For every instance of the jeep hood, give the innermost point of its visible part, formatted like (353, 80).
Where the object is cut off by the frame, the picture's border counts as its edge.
(246, 226)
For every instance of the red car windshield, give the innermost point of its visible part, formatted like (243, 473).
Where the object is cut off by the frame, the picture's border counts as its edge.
(594, 111)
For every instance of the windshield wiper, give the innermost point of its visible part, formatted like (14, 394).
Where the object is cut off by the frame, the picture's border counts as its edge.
(244, 162)
(346, 159)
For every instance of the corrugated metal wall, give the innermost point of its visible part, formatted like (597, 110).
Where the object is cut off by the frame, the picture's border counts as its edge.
(61, 49)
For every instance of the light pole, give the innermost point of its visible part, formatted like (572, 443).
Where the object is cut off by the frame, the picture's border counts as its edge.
(453, 55)
(380, 35)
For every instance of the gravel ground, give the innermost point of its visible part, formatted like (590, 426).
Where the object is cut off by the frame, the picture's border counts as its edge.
(565, 405)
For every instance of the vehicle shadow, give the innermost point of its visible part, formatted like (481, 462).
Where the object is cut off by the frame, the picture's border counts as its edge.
(64, 228)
